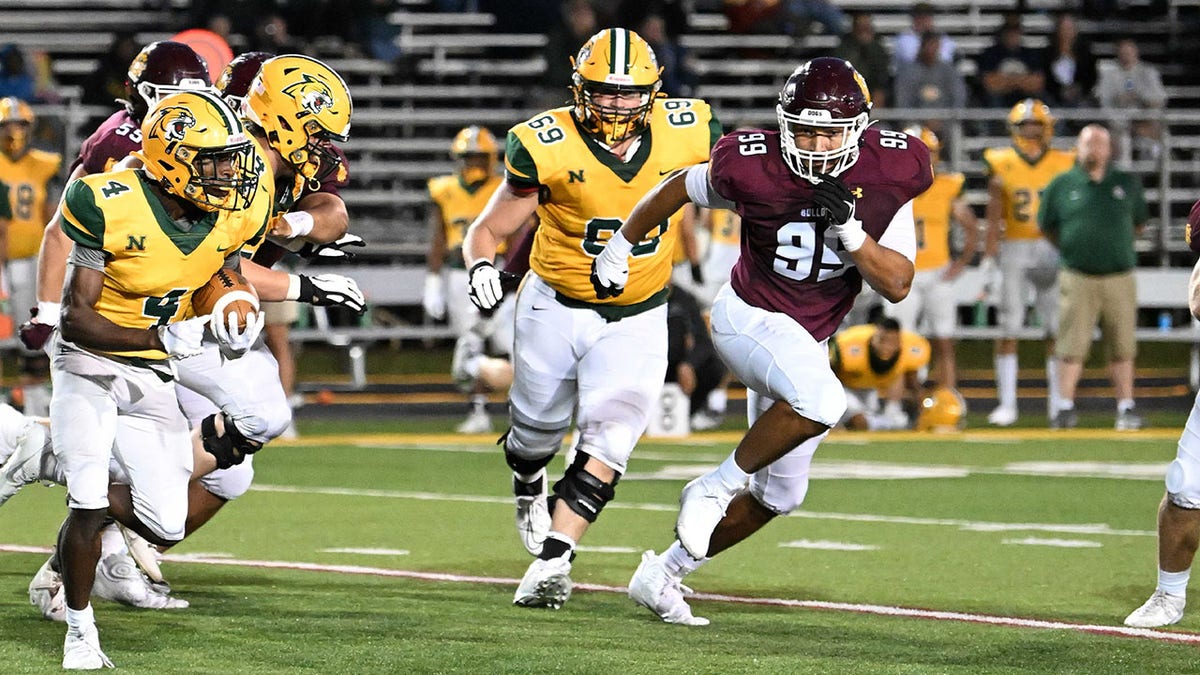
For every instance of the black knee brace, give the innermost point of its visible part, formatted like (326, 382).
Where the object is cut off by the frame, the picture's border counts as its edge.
(522, 465)
(228, 445)
(582, 492)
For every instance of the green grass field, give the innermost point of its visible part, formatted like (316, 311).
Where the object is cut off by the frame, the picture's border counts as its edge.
(1057, 527)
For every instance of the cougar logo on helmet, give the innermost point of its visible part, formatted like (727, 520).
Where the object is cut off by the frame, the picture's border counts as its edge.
(174, 122)
(313, 94)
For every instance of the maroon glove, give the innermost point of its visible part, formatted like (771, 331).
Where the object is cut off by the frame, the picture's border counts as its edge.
(33, 334)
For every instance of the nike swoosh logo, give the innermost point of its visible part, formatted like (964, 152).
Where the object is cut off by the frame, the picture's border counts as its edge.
(537, 309)
(221, 249)
(663, 173)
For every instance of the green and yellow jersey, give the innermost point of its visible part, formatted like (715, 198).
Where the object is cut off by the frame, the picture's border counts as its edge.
(586, 193)
(153, 265)
(726, 228)
(850, 354)
(27, 178)
(1022, 183)
(460, 204)
(931, 211)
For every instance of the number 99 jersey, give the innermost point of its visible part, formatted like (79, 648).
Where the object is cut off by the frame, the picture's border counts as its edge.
(587, 193)
(791, 259)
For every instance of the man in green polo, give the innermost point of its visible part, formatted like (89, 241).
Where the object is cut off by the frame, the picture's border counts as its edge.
(1092, 213)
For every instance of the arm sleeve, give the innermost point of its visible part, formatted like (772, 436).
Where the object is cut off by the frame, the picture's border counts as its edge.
(901, 233)
(701, 192)
(519, 168)
(91, 258)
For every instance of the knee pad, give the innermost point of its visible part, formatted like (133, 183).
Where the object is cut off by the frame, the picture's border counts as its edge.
(231, 483)
(265, 423)
(780, 496)
(222, 439)
(1183, 485)
(526, 442)
(582, 492)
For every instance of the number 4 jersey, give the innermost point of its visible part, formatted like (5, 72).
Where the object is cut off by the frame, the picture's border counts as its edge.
(587, 193)
(791, 259)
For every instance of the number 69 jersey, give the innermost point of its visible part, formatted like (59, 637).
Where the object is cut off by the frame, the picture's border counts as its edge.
(152, 266)
(791, 259)
(587, 193)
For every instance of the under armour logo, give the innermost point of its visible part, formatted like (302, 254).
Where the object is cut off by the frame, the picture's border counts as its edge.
(857, 192)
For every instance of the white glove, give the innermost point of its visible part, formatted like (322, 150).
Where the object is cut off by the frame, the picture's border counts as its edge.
(484, 281)
(327, 290)
(990, 272)
(434, 300)
(610, 269)
(184, 339)
(237, 341)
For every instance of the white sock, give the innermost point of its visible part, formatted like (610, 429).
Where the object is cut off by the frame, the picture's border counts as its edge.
(1006, 379)
(730, 475)
(472, 365)
(1173, 583)
(1066, 404)
(1124, 405)
(1053, 400)
(718, 400)
(479, 402)
(81, 620)
(111, 541)
(678, 562)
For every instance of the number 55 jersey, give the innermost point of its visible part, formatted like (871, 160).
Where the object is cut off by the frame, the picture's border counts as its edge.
(791, 259)
(586, 192)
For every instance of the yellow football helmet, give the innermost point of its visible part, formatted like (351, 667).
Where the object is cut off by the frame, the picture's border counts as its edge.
(943, 410)
(302, 105)
(1032, 143)
(16, 120)
(194, 145)
(615, 63)
(474, 150)
(930, 140)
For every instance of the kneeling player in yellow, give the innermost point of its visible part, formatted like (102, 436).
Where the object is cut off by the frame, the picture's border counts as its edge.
(878, 360)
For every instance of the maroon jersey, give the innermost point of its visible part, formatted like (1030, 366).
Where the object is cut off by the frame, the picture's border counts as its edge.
(791, 259)
(115, 138)
(270, 253)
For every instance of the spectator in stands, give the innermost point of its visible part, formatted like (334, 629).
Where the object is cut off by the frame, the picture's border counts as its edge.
(868, 55)
(909, 42)
(879, 362)
(15, 77)
(1069, 65)
(271, 35)
(242, 15)
(1132, 89)
(374, 33)
(678, 78)
(1092, 214)
(578, 23)
(1028, 264)
(692, 360)
(109, 83)
(1008, 70)
(929, 82)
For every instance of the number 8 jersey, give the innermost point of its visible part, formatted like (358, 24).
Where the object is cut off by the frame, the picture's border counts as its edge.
(791, 260)
(587, 192)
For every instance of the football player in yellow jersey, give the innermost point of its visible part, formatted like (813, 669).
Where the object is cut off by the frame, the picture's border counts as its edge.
(458, 198)
(29, 174)
(144, 240)
(581, 169)
(1017, 176)
(878, 360)
(930, 307)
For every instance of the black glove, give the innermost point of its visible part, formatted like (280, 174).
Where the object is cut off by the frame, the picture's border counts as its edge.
(333, 249)
(33, 334)
(329, 290)
(834, 197)
(697, 274)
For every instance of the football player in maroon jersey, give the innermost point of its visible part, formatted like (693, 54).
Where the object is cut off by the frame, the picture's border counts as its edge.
(826, 203)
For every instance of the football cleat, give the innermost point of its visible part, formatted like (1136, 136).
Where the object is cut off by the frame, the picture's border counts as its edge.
(702, 505)
(533, 512)
(145, 554)
(1162, 609)
(47, 594)
(547, 583)
(119, 579)
(1002, 416)
(1128, 420)
(477, 422)
(468, 347)
(81, 651)
(24, 466)
(652, 588)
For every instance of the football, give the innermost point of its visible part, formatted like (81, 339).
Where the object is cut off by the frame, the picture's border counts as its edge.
(227, 292)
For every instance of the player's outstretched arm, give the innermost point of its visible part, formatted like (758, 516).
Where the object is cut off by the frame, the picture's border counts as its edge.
(505, 213)
(657, 205)
(319, 217)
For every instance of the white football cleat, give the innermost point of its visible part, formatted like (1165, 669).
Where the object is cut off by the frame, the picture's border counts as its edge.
(547, 583)
(533, 513)
(652, 588)
(46, 592)
(145, 554)
(1003, 416)
(466, 349)
(81, 651)
(1162, 609)
(702, 505)
(24, 466)
(477, 422)
(119, 579)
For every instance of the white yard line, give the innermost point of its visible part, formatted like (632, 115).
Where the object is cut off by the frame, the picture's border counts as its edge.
(853, 608)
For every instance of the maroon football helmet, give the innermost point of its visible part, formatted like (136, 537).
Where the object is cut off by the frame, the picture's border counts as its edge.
(825, 92)
(234, 82)
(161, 69)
